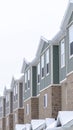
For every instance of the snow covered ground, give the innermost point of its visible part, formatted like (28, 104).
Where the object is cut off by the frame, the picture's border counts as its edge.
(64, 122)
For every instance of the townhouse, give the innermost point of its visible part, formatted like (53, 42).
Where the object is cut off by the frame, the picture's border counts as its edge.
(17, 89)
(31, 101)
(45, 86)
(8, 109)
(2, 113)
(66, 58)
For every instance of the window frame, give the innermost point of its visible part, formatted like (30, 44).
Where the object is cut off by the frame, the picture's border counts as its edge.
(27, 109)
(38, 73)
(42, 66)
(45, 101)
(47, 61)
(62, 53)
(70, 41)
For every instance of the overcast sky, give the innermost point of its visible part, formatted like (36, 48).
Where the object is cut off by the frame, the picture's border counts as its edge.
(22, 23)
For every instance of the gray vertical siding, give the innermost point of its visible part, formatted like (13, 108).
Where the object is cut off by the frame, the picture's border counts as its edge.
(47, 78)
(69, 60)
(55, 64)
(34, 81)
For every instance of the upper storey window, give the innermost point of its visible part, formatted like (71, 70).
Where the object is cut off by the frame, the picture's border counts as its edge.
(47, 61)
(42, 66)
(38, 73)
(71, 40)
(25, 80)
(28, 78)
(62, 53)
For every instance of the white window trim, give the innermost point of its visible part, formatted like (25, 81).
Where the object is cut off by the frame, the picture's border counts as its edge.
(27, 109)
(45, 100)
(42, 65)
(63, 64)
(38, 72)
(70, 56)
(47, 53)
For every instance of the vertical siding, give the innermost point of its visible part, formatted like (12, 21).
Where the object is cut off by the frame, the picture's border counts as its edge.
(34, 81)
(47, 78)
(55, 64)
(20, 94)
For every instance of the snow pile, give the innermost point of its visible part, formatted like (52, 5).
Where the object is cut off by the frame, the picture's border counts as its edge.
(64, 117)
(20, 127)
(38, 124)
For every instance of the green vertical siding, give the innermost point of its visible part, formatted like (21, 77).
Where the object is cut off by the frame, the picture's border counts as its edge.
(55, 64)
(34, 81)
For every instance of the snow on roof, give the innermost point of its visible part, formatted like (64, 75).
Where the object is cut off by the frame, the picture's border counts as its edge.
(52, 125)
(18, 76)
(49, 121)
(64, 117)
(28, 126)
(71, 1)
(20, 127)
(38, 124)
(57, 128)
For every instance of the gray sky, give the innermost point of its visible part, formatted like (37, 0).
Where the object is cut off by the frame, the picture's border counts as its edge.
(22, 23)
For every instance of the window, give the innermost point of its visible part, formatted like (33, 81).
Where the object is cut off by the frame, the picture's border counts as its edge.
(42, 66)
(7, 121)
(62, 53)
(71, 40)
(45, 100)
(15, 117)
(27, 109)
(28, 78)
(16, 88)
(38, 73)
(47, 61)
(25, 80)
(7, 97)
(14, 93)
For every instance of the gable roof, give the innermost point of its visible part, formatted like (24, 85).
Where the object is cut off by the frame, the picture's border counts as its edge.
(42, 43)
(25, 65)
(67, 15)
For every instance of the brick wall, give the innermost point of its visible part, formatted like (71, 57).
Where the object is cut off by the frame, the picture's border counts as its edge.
(53, 102)
(9, 126)
(33, 109)
(67, 93)
(56, 100)
(18, 117)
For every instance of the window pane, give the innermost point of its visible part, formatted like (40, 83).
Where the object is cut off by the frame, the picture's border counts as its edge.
(26, 77)
(71, 39)
(71, 48)
(62, 53)
(45, 100)
(38, 73)
(28, 74)
(42, 61)
(42, 66)
(47, 56)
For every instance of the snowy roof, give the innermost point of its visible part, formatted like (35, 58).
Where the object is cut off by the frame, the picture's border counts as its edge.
(49, 121)
(20, 127)
(18, 76)
(67, 15)
(38, 124)
(64, 117)
(52, 125)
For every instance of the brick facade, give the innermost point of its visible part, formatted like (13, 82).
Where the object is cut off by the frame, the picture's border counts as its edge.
(53, 104)
(67, 93)
(18, 116)
(3, 124)
(9, 122)
(33, 109)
